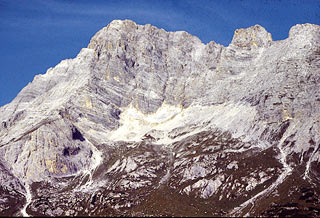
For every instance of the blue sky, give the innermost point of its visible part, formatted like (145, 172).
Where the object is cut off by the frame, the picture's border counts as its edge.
(38, 34)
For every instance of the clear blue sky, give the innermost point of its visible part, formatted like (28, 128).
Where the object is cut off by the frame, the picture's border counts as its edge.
(38, 34)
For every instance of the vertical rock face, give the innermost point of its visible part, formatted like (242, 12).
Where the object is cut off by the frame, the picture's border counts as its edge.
(149, 122)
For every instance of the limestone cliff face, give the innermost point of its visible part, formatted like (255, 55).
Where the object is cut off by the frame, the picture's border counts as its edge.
(191, 113)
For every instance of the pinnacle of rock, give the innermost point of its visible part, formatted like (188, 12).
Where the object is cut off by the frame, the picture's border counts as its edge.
(144, 114)
(255, 36)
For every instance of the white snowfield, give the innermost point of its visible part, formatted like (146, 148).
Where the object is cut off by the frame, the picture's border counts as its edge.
(135, 124)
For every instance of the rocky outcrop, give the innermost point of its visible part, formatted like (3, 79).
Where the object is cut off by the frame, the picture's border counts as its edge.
(143, 119)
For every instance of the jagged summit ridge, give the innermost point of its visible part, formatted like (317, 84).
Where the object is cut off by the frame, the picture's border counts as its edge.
(137, 86)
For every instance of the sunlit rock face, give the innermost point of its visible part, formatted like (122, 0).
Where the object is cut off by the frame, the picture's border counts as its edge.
(147, 122)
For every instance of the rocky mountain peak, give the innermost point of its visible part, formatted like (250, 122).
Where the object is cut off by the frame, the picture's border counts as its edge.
(252, 37)
(144, 119)
(118, 24)
(305, 30)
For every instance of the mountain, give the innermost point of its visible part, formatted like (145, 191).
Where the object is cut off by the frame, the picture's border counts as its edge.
(146, 122)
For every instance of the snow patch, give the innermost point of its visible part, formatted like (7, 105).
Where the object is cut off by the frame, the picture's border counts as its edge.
(191, 120)
(28, 201)
(135, 124)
